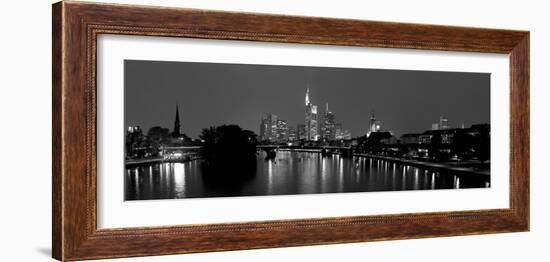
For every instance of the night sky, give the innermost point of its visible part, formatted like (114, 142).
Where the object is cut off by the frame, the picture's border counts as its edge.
(211, 94)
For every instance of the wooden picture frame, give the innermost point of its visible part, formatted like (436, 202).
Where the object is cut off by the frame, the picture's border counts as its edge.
(75, 28)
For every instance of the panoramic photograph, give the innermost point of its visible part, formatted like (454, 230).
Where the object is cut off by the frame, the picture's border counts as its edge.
(197, 130)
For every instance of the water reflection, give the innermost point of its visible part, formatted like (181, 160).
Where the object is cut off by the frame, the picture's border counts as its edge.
(289, 173)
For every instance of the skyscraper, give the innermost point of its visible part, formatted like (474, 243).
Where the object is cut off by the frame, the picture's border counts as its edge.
(341, 133)
(177, 126)
(282, 131)
(311, 124)
(338, 134)
(268, 128)
(264, 124)
(443, 123)
(301, 132)
(329, 129)
(292, 135)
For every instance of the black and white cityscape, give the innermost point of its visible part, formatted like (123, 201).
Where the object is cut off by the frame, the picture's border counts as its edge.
(223, 130)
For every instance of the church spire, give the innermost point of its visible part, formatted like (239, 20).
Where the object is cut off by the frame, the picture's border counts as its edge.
(177, 127)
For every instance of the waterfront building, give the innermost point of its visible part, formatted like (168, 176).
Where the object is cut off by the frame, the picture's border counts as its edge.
(447, 137)
(409, 139)
(425, 138)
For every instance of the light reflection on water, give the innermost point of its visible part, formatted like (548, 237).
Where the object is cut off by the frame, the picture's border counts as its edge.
(292, 173)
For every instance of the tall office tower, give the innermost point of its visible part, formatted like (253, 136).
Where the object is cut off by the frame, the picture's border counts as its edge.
(264, 125)
(311, 123)
(282, 131)
(268, 128)
(292, 135)
(301, 132)
(329, 131)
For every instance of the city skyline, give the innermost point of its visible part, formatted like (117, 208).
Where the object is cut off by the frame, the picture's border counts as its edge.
(315, 128)
(279, 130)
(198, 93)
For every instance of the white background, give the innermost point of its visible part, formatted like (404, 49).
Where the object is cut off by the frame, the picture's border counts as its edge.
(25, 106)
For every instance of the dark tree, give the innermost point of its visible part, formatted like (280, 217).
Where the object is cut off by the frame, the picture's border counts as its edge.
(228, 150)
(135, 143)
(158, 136)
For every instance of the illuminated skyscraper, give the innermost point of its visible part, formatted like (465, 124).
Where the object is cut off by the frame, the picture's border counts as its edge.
(264, 125)
(268, 127)
(282, 131)
(329, 128)
(292, 135)
(301, 132)
(338, 134)
(311, 124)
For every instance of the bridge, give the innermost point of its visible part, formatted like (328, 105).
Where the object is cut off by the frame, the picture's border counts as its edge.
(271, 150)
(189, 153)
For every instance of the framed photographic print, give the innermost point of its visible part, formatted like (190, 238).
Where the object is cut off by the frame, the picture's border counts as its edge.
(173, 127)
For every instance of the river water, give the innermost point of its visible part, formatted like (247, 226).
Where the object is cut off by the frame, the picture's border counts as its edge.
(292, 173)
